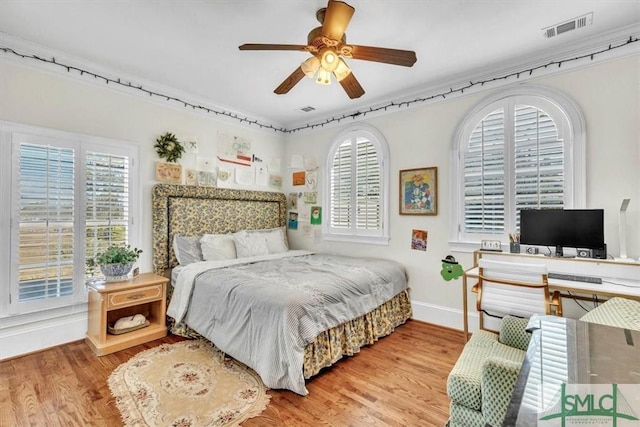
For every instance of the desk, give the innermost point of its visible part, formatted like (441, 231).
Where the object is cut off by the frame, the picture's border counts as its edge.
(580, 358)
(620, 279)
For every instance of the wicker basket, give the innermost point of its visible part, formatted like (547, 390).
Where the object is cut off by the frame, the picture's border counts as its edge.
(114, 331)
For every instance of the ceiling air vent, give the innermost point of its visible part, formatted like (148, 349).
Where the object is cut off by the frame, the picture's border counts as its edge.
(572, 24)
(307, 109)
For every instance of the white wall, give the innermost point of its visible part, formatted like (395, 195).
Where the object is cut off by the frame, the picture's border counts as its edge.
(34, 97)
(609, 96)
(43, 99)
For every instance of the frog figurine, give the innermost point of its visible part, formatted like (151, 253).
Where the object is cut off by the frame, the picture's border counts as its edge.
(450, 268)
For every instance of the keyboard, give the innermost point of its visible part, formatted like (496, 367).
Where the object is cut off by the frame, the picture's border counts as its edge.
(575, 278)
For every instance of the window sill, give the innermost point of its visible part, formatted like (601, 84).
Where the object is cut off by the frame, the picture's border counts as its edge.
(22, 320)
(370, 240)
(468, 247)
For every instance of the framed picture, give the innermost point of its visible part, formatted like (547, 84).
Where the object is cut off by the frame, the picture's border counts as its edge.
(419, 191)
(298, 178)
(169, 173)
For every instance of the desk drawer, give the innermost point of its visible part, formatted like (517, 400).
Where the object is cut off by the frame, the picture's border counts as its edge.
(134, 296)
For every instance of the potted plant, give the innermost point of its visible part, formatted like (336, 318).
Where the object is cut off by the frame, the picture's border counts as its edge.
(116, 261)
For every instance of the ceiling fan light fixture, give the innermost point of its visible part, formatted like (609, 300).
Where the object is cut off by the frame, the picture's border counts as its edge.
(342, 70)
(327, 44)
(310, 66)
(324, 77)
(328, 59)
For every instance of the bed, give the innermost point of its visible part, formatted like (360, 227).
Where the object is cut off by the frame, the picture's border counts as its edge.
(307, 338)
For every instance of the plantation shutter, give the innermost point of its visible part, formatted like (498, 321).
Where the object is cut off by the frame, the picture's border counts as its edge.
(107, 201)
(549, 366)
(527, 139)
(367, 186)
(539, 161)
(341, 187)
(46, 222)
(355, 186)
(484, 185)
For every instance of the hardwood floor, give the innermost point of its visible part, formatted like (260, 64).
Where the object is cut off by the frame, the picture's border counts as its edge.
(399, 381)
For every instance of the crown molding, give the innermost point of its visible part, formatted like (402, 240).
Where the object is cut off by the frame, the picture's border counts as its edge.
(520, 65)
(494, 77)
(164, 95)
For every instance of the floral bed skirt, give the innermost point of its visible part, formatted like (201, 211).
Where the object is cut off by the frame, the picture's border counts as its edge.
(343, 340)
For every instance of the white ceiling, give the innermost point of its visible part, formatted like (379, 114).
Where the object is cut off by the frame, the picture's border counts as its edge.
(191, 46)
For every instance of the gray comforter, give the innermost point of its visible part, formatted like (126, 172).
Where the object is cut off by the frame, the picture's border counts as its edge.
(264, 312)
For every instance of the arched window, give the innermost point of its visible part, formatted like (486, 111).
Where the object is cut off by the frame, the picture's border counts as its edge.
(523, 148)
(357, 187)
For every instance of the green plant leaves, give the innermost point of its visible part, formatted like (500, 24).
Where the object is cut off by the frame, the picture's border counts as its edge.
(118, 255)
(169, 148)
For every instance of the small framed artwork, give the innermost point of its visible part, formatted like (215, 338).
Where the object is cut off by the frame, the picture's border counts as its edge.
(169, 173)
(191, 177)
(419, 240)
(316, 215)
(293, 220)
(419, 191)
(298, 178)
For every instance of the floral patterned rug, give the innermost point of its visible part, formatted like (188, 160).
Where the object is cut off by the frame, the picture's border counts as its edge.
(189, 383)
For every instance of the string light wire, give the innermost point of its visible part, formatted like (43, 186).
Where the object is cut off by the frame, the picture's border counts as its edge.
(338, 119)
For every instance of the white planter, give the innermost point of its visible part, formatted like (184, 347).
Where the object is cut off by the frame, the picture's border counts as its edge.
(116, 272)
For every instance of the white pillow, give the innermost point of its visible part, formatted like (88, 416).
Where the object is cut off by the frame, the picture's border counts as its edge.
(217, 247)
(253, 244)
(276, 239)
(187, 249)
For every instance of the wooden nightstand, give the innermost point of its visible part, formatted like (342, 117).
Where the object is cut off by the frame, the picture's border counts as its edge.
(108, 302)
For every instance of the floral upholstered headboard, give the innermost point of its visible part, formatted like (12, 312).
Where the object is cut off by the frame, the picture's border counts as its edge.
(193, 211)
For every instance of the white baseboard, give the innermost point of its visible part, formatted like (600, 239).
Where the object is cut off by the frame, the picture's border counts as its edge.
(36, 336)
(24, 339)
(443, 316)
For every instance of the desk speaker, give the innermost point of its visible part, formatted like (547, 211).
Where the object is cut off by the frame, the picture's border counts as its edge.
(592, 253)
(584, 253)
(600, 253)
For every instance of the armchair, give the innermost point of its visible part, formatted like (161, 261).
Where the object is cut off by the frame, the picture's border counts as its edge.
(481, 383)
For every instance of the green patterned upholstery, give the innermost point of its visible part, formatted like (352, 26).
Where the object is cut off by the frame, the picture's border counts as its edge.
(513, 332)
(481, 382)
(499, 377)
(618, 312)
(461, 416)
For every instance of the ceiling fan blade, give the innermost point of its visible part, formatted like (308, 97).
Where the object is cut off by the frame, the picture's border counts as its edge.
(406, 58)
(261, 46)
(336, 18)
(290, 81)
(351, 85)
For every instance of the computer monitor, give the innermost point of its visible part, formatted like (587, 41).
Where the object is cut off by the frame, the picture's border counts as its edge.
(562, 228)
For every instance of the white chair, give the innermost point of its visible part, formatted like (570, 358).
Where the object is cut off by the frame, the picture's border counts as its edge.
(509, 288)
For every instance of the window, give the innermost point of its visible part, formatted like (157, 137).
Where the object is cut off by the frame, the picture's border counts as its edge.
(357, 187)
(106, 202)
(71, 198)
(520, 149)
(46, 213)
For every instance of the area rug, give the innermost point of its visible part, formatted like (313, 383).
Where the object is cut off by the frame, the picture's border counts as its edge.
(189, 383)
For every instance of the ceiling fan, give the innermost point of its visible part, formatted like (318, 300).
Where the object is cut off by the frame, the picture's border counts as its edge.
(327, 45)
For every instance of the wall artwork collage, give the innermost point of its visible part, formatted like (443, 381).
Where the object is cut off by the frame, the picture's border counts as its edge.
(304, 210)
(234, 163)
